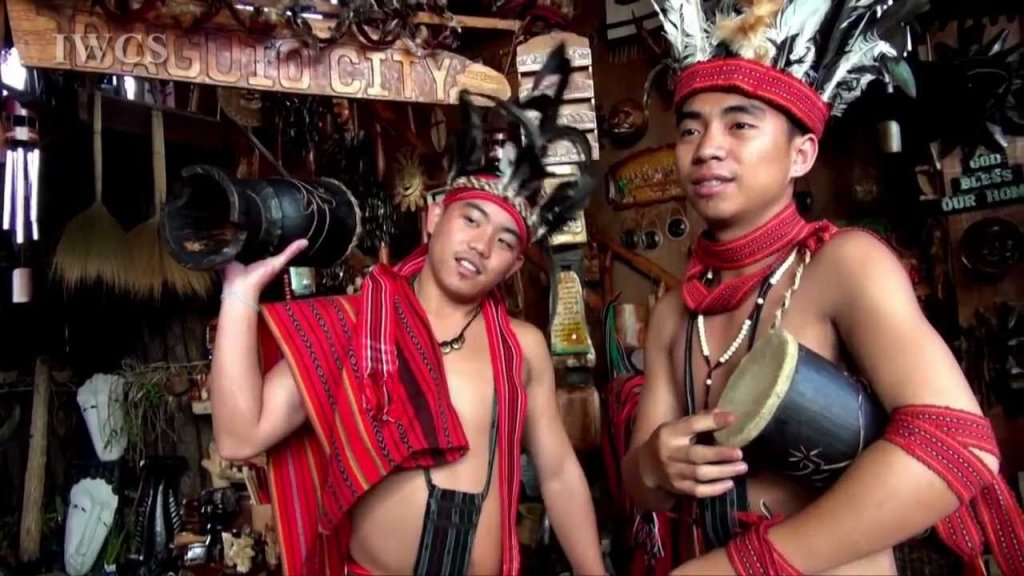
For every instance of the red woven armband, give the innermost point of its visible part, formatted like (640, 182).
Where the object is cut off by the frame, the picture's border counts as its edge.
(752, 553)
(941, 438)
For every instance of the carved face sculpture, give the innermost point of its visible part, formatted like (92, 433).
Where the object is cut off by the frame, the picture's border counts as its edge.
(100, 400)
(90, 515)
(627, 122)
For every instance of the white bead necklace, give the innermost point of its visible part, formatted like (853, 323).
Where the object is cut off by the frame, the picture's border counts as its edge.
(744, 330)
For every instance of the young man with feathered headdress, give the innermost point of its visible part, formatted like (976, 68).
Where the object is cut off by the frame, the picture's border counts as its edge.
(393, 420)
(757, 81)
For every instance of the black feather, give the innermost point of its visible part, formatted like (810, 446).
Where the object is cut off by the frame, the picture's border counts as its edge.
(522, 170)
(469, 150)
(567, 199)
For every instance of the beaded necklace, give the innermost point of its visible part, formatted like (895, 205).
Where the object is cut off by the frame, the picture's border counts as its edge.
(730, 350)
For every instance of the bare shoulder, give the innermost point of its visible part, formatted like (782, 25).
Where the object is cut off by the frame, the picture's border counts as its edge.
(531, 339)
(857, 260)
(534, 346)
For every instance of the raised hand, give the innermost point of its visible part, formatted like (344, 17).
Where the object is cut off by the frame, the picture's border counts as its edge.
(672, 460)
(248, 281)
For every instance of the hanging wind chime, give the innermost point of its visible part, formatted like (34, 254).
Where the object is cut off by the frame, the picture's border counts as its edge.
(21, 190)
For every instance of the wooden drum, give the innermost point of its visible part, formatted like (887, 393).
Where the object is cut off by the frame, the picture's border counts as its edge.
(798, 414)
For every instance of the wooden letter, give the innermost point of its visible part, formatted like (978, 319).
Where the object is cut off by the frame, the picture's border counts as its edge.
(377, 75)
(440, 74)
(351, 55)
(406, 59)
(91, 40)
(184, 60)
(213, 59)
(259, 78)
(291, 55)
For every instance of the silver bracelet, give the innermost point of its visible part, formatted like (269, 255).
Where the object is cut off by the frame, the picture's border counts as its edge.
(235, 295)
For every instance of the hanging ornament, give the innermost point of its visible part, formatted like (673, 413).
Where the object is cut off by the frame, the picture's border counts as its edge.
(409, 191)
(21, 172)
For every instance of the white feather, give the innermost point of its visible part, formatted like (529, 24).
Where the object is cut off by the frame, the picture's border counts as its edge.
(685, 29)
(865, 51)
(795, 29)
(852, 18)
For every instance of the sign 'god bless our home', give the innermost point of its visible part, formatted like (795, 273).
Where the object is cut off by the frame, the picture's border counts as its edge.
(987, 181)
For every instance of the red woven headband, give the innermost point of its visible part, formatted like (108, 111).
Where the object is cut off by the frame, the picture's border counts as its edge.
(460, 194)
(759, 81)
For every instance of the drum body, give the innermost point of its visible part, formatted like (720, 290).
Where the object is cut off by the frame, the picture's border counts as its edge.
(216, 219)
(799, 415)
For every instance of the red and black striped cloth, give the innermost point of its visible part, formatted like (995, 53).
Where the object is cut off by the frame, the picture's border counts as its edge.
(373, 383)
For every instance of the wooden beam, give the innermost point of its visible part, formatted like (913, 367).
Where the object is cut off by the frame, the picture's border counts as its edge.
(642, 264)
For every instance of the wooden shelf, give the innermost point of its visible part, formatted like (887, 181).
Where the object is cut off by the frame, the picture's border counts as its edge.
(180, 126)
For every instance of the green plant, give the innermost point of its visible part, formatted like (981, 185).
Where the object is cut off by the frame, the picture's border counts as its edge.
(148, 409)
(114, 546)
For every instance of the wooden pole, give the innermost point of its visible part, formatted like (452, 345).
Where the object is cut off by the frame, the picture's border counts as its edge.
(35, 470)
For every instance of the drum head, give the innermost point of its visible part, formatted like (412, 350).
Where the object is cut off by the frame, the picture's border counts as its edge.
(757, 387)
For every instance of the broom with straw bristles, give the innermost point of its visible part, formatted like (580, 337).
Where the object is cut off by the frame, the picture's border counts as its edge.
(93, 246)
(153, 265)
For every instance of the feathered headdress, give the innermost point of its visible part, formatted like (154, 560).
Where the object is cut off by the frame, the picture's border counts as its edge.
(811, 58)
(518, 182)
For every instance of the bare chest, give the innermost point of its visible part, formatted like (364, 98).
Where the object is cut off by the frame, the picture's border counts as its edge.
(707, 350)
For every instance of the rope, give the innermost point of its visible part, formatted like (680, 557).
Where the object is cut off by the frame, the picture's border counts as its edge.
(788, 296)
(315, 201)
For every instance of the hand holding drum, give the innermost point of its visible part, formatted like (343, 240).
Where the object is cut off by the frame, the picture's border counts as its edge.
(248, 281)
(673, 461)
(798, 414)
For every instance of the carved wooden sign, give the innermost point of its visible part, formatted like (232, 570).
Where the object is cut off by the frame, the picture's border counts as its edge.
(67, 34)
(643, 178)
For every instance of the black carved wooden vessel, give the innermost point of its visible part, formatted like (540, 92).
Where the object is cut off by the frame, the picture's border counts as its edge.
(216, 219)
(799, 414)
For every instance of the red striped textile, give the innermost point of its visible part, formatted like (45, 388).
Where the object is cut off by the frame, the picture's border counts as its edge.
(372, 379)
(778, 236)
(759, 81)
(942, 438)
(752, 554)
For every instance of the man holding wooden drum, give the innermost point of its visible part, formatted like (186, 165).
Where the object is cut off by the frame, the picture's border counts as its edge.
(394, 419)
(795, 467)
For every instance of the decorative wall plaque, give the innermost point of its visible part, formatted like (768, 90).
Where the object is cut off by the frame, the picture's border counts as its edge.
(987, 181)
(644, 178)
